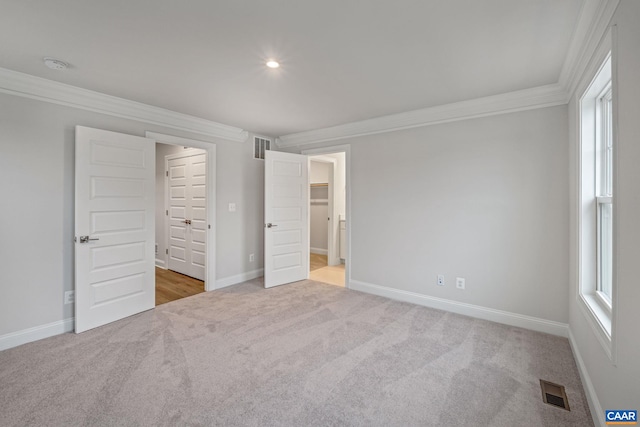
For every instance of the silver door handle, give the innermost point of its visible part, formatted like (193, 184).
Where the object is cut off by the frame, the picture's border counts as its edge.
(269, 225)
(86, 239)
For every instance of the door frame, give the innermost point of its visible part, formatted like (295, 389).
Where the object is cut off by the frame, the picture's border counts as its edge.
(346, 149)
(210, 150)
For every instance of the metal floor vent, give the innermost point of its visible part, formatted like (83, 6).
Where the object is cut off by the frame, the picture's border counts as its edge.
(554, 394)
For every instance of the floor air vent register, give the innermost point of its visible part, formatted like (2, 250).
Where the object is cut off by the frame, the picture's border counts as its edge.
(554, 394)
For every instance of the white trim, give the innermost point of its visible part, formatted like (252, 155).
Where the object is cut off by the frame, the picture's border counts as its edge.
(239, 278)
(28, 86)
(597, 413)
(319, 251)
(592, 25)
(210, 148)
(595, 318)
(499, 316)
(528, 99)
(616, 211)
(36, 333)
(587, 88)
(160, 263)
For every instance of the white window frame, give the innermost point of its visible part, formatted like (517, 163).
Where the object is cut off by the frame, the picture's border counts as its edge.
(604, 191)
(595, 191)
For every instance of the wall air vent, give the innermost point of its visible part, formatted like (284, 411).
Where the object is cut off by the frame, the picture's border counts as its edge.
(260, 145)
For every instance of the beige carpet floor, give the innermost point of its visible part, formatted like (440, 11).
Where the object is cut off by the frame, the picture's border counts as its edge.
(305, 354)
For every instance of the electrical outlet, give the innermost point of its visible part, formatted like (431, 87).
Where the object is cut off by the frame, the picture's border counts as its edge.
(69, 297)
(460, 282)
(251, 258)
(440, 280)
(232, 207)
(156, 249)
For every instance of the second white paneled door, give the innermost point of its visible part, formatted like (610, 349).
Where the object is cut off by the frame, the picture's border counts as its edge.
(286, 215)
(186, 196)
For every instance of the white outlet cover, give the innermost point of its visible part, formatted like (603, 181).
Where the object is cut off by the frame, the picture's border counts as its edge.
(460, 282)
(440, 280)
(232, 207)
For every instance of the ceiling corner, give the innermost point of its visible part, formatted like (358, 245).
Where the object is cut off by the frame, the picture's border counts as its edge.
(592, 25)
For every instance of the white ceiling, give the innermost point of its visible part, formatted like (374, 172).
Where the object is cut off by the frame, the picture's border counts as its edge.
(342, 60)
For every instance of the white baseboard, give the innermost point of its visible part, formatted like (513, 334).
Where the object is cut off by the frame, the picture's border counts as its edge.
(239, 278)
(499, 316)
(36, 333)
(319, 251)
(160, 263)
(592, 398)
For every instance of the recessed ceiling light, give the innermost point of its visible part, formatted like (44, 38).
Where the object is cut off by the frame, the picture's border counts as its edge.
(272, 64)
(55, 64)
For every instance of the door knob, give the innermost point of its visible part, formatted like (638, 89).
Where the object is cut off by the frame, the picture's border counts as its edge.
(187, 221)
(86, 239)
(269, 225)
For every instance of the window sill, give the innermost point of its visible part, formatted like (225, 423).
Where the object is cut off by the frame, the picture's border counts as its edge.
(599, 320)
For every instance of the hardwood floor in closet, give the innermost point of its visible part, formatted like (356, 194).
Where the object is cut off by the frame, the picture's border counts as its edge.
(321, 272)
(171, 286)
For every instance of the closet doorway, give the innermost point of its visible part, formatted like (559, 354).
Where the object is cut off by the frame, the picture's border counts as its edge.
(181, 221)
(327, 203)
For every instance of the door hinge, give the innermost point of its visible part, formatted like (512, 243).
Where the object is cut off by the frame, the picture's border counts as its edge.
(209, 226)
(166, 212)
(167, 173)
(166, 251)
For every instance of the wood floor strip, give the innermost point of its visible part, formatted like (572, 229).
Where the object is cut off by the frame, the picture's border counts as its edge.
(171, 286)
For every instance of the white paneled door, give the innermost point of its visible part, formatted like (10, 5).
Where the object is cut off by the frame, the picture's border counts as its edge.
(114, 226)
(286, 232)
(186, 178)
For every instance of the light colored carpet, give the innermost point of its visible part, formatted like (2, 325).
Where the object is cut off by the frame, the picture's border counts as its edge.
(306, 354)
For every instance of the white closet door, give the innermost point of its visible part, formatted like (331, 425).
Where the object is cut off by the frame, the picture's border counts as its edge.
(187, 214)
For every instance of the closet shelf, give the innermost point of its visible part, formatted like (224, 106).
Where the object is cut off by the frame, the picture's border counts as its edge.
(320, 184)
(319, 201)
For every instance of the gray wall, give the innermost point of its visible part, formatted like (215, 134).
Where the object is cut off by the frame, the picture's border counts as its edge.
(616, 385)
(484, 199)
(36, 221)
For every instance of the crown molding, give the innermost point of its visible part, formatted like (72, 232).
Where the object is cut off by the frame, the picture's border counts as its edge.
(538, 97)
(28, 86)
(592, 25)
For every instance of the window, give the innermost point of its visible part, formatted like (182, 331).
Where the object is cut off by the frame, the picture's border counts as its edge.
(596, 203)
(604, 180)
